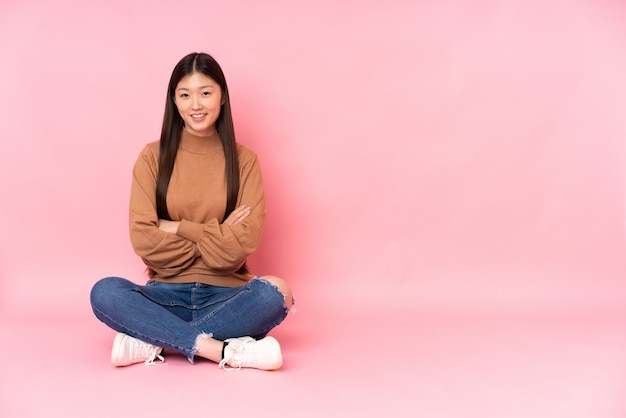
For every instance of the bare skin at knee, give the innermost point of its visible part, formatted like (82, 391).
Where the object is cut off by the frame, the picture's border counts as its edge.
(283, 288)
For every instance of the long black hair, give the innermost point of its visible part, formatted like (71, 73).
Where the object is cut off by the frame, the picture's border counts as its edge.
(173, 125)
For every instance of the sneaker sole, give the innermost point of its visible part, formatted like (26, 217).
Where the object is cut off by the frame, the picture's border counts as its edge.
(115, 351)
(279, 361)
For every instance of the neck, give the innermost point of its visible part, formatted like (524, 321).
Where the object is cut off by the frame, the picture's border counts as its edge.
(201, 134)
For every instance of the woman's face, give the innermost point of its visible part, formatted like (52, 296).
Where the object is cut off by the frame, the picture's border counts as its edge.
(198, 99)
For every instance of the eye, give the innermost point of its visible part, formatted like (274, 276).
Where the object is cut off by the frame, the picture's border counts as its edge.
(183, 95)
(206, 93)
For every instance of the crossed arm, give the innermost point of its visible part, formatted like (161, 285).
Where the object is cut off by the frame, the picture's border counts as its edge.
(235, 217)
(170, 247)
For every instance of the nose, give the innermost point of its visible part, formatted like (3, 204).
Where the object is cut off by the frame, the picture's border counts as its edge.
(196, 103)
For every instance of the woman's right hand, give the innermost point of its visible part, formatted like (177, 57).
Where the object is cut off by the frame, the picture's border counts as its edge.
(237, 215)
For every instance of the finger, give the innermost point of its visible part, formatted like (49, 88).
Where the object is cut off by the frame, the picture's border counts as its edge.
(243, 215)
(237, 215)
(242, 210)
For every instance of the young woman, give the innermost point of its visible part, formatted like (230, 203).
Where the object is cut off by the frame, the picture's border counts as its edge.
(196, 214)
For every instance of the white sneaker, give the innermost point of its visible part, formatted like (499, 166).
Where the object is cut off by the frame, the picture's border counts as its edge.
(241, 352)
(128, 350)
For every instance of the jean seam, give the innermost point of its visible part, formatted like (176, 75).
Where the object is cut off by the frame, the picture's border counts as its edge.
(273, 325)
(221, 306)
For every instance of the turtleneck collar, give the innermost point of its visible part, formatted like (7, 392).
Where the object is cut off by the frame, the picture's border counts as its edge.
(200, 144)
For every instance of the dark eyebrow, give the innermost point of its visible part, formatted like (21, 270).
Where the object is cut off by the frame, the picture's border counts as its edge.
(199, 88)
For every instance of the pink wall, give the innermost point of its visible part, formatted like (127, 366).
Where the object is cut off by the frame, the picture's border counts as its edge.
(435, 153)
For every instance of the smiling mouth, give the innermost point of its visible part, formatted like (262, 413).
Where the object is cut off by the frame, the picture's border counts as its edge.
(198, 116)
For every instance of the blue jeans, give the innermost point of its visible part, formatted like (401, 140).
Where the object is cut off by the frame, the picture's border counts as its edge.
(173, 315)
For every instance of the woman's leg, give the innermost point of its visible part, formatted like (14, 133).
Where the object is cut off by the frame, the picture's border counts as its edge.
(253, 309)
(121, 305)
(249, 310)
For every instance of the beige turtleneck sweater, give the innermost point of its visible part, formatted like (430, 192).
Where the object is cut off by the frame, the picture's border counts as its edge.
(203, 250)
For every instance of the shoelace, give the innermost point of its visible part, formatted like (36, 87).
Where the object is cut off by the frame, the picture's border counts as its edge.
(234, 349)
(153, 356)
(149, 351)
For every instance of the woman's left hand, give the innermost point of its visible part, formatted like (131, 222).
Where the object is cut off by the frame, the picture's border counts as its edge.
(170, 227)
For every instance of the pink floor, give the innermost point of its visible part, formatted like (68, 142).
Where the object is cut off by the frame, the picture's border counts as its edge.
(446, 184)
(395, 361)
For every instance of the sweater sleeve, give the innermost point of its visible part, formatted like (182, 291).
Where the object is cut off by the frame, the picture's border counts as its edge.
(226, 247)
(165, 254)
